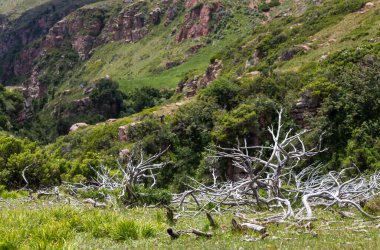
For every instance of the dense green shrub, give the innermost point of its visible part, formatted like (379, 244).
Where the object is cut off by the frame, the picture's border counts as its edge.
(264, 7)
(17, 155)
(107, 98)
(373, 205)
(274, 3)
(145, 97)
(222, 92)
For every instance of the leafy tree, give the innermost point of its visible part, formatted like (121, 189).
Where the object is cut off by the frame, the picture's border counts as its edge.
(223, 93)
(107, 98)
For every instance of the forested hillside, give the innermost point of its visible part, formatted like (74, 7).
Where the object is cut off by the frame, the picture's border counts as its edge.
(182, 93)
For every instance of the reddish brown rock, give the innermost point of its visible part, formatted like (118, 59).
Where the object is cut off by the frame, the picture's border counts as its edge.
(154, 16)
(124, 154)
(190, 87)
(79, 30)
(129, 25)
(198, 20)
(305, 108)
(171, 12)
(122, 133)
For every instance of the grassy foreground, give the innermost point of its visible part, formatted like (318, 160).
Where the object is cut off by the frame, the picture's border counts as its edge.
(48, 225)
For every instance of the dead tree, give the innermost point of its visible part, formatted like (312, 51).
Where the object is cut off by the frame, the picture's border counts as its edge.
(272, 179)
(137, 169)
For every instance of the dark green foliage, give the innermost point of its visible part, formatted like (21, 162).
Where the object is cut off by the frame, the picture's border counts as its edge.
(223, 93)
(145, 97)
(149, 196)
(373, 205)
(343, 91)
(11, 103)
(246, 122)
(352, 114)
(274, 3)
(107, 98)
(16, 155)
(264, 7)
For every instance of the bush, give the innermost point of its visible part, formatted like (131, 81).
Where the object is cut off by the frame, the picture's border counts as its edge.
(125, 230)
(154, 196)
(146, 97)
(373, 205)
(107, 98)
(223, 93)
(274, 3)
(264, 7)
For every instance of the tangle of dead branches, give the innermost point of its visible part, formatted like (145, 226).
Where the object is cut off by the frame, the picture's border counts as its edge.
(272, 180)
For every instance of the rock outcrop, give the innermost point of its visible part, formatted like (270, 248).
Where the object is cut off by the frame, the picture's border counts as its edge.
(123, 131)
(80, 29)
(198, 19)
(3, 22)
(124, 155)
(77, 126)
(19, 35)
(305, 108)
(190, 87)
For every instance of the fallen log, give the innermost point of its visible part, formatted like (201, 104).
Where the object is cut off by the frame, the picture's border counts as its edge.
(173, 234)
(94, 203)
(254, 227)
(211, 220)
(345, 214)
(170, 215)
(244, 226)
(201, 234)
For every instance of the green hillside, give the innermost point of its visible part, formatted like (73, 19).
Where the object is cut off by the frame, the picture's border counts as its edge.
(14, 8)
(197, 91)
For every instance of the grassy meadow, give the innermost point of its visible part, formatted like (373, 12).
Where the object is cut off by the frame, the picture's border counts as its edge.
(49, 224)
(14, 8)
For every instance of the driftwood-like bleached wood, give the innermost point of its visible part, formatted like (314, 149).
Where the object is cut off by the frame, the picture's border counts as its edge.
(254, 227)
(94, 203)
(137, 169)
(272, 179)
(244, 226)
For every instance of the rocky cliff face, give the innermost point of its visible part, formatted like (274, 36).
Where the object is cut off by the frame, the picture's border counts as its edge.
(129, 25)
(305, 109)
(87, 28)
(84, 30)
(80, 30)
(198, 19)
(191, 87)
(3, 23)
(23, 33)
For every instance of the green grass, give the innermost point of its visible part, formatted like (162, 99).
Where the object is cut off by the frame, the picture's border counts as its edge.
(14, 8)
(42, 225)
(144, 63)
(352, 31)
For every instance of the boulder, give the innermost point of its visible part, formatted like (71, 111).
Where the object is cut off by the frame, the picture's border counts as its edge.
(110, 120)
(124, 154)
(77, 126)
(190, 87)
(122, 133)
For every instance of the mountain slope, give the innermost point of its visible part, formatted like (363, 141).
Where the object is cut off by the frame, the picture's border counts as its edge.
(193, 74)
